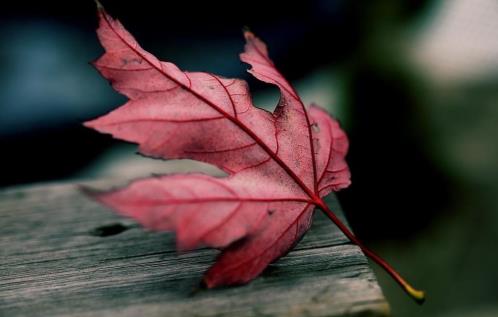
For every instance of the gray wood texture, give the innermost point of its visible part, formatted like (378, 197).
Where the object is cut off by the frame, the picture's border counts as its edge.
(62, 255)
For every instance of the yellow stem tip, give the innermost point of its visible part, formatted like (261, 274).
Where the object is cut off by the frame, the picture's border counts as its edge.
(418, 296)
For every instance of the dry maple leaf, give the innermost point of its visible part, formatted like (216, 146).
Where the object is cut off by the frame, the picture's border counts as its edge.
(280, 165)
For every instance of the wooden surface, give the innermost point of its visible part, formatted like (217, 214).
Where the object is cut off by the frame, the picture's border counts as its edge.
(62, 254)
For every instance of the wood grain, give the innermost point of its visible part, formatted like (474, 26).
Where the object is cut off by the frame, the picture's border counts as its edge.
(62, 254)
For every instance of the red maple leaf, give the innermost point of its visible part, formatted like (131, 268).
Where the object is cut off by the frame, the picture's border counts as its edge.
(280, 165)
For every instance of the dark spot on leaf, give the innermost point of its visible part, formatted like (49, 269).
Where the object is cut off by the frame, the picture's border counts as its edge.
(270, 212)
(315, 127)
(108, 230)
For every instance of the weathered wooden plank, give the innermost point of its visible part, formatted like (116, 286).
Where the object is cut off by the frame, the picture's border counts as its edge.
(54, 263)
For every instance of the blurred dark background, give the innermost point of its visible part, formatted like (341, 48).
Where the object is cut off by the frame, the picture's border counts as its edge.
(415, 84)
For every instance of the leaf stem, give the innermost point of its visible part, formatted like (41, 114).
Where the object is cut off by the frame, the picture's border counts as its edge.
(417, 295)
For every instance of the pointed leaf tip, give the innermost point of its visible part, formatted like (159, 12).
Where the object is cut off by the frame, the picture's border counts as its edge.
(248, 35)
(99, 5)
